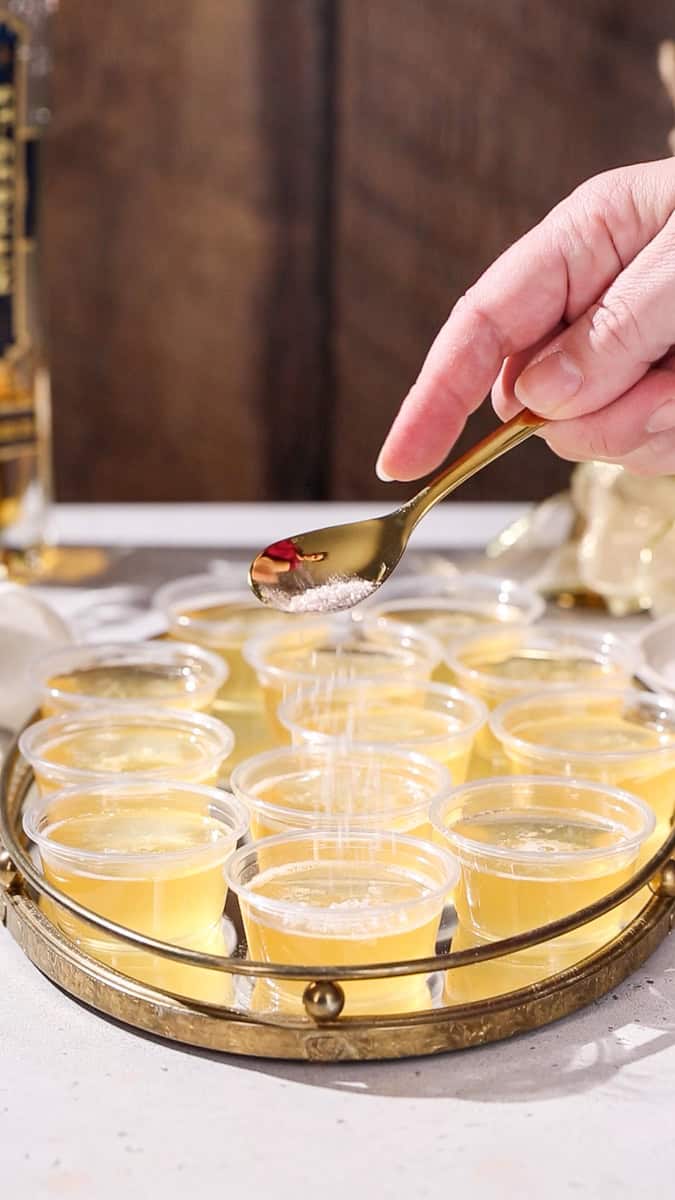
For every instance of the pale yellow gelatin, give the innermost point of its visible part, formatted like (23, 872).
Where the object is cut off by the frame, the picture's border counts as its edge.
(172, 752)
(406, 726)
(498, 900)
(153, 682)
(507, 663)
(160, 888)
(318, 890)
(224, 628)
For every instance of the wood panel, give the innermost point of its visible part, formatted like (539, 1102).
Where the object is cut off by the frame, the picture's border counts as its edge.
(185, 273)
(460, 126)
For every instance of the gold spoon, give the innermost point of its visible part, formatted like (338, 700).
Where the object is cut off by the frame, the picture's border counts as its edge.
(326, 570)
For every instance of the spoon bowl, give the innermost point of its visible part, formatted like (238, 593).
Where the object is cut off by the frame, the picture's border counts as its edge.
(326, 570)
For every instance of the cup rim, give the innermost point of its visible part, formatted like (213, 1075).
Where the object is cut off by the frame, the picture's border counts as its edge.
(367, 752)
(547, 629)
(462, 844)
(147, 650)
(552, 753)
(169, 601)
(443, 690)
(339, 918)
(139, 715)
(411, 586)
(221, 800)
(486, 599)
(254, 649)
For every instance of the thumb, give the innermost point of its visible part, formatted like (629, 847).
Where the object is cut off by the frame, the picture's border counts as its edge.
(610, 346)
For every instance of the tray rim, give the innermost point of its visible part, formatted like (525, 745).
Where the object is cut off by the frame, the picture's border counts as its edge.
(219, 1028)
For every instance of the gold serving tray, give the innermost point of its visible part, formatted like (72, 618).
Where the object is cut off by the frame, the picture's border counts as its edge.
(323, 1035)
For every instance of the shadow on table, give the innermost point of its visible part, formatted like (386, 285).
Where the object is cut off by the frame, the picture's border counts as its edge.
(580, 1053)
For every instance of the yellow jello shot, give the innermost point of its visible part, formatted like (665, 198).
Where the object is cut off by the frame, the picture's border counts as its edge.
(78, 748)
(337, 650)
(333, 899)
(146, 855)
(124, 674)
(533, 849)
(622, 738)
(453, 607)
(205, 610)
(433, 719)
(347, 787)
(500, 664)
(509, 972)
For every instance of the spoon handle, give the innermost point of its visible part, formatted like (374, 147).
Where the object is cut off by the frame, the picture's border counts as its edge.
(504, 438)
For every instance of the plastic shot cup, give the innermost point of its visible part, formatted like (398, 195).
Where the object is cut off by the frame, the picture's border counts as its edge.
(327, 899)
(509, 972)
(362, 788)
(433, 719)
(146, 855)
(209, 611)
(336, 650)
(81, 747)
(121, 674)
(533, 849)
(454, 607)
(167, 975)
(503, 663)
(625, 739)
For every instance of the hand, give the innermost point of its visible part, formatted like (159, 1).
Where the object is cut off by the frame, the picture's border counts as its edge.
(575, 321)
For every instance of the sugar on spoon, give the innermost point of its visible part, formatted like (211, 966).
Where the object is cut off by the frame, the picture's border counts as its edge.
(326, 570)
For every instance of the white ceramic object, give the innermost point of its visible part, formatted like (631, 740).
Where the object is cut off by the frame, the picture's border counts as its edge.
(28, 628)
(656, 662)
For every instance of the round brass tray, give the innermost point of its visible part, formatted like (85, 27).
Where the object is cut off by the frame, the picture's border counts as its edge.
(324, 1034)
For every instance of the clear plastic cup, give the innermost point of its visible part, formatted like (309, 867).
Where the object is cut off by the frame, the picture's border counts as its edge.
(147, 855)
(622, 738)
(430, 718)
(511, 661)
(80, 747)
(351, 787)
(342, 899)
(298, 657)
(533, 849)
(210, 612)
(170, 976)
(124, 674)
(454, 607)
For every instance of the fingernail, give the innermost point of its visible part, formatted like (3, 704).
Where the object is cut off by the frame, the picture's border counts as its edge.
(381, 473)
(662, 419)
(545, 383)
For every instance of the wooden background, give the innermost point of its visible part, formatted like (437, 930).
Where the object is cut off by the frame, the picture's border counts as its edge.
(258, 212)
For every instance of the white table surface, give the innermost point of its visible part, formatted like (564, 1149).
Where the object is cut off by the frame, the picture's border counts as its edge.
(583, 1108)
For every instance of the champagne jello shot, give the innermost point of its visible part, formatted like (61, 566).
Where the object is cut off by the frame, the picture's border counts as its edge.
(450, 608)
(336, 650)
(147, 855)
(622, 738)
(503, 663)
(206, 610)
(333, 899)
(432, 719)
(533, 849)
(125, 674)
(78, 748)
(359, 788)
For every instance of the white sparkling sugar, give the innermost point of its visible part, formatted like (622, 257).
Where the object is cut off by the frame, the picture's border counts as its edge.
(338, 592)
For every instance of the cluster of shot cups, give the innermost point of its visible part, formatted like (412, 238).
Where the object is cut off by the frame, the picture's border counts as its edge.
(372, 766)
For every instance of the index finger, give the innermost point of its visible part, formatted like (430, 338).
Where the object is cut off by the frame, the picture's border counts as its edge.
(552, 273)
